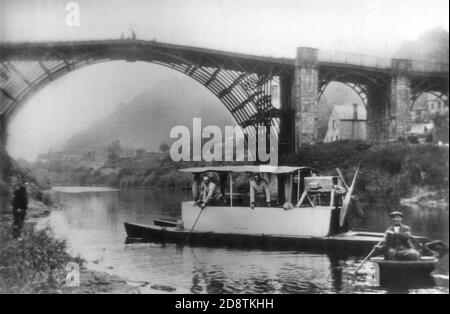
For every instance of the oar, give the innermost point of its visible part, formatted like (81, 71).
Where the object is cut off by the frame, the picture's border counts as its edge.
(342, 178)
(193, 227)
(347, 199)
(443, 249)
(424, 247)
(368, 256)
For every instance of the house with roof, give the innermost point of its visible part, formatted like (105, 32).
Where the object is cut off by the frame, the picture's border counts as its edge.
(347, 123)
(427, 107)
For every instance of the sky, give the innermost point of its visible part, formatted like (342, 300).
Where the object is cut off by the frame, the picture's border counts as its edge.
(261, 27)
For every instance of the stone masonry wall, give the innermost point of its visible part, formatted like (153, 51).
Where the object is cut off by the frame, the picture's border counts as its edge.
(400, 107)
(305, 96)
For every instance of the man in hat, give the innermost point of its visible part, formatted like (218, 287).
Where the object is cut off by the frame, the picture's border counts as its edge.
(397, 243)
(259, 192)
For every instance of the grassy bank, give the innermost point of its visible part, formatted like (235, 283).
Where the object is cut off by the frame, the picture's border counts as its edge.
(36, 263)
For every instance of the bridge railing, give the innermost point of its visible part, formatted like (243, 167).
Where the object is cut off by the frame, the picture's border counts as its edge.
(425, 66)
(353, 59)
(383, 63)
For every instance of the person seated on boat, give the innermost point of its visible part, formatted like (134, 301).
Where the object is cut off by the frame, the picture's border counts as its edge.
(339, 189)
(397, 243)
(259, 192)
(212, 196)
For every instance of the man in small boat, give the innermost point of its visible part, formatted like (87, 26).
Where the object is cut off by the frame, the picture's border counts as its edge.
(259, 192)
(397, 243)
(212, 196)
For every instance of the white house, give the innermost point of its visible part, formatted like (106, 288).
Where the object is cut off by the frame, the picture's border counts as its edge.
(347, 123)
(428, 107)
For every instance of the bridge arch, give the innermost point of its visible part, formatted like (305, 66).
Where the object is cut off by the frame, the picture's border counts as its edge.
(246, 95)
(359, 81)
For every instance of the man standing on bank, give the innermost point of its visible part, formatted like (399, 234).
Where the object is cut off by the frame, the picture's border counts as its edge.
(259, 192)
(19, 207)
(397, 243)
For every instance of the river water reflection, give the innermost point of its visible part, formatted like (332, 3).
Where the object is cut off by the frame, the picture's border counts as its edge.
(92, 221)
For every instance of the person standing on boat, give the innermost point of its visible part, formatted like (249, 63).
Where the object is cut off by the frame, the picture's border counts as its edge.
(211, 193)
(259, 192)
(397, 243)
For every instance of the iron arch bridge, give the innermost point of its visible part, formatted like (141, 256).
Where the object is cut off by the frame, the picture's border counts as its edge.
(387, 87)
(242, 83)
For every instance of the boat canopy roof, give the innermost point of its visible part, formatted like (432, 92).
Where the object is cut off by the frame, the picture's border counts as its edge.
(260, 168)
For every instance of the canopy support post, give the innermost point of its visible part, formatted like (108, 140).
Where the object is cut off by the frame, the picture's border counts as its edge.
(231, 189)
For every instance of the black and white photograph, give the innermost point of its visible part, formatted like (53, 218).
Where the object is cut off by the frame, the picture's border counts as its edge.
(220, 152)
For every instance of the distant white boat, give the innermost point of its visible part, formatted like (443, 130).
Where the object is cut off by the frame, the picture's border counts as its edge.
(82, 189)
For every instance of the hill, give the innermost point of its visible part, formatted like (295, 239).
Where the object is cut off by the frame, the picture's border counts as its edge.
(146, 121)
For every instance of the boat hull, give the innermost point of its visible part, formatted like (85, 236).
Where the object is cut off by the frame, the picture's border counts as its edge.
(353, 242)
(405, 273)
(304, 221)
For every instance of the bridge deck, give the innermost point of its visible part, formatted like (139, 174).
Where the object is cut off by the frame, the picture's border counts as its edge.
(24, 51)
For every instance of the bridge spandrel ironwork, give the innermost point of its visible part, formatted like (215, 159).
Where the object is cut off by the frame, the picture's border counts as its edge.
(241, 84)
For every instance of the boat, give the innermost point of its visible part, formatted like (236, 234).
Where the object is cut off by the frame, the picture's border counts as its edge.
(306, 211)
(404, 272)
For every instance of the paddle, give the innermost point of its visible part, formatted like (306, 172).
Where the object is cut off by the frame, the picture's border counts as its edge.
(424, 247)
(347, 199)
(342, 178)
(368, 256)
(437, 246)
(195, 223)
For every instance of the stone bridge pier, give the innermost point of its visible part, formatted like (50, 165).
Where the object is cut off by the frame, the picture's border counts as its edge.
(306, 88)
(298, 102)
(388, 107)
(399, 100)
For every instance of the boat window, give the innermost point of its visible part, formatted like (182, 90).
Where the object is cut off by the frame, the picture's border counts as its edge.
(240, 190)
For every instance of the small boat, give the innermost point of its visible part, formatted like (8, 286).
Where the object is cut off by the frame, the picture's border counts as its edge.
(306, 211)
(405, 272)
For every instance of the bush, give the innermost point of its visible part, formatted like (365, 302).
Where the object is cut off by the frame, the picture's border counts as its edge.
(34, 265)
(413, 139)
(388, 171)
(4, 189)
(327, 156)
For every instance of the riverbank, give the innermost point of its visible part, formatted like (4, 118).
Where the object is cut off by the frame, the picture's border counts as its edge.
(389, 172)
(36, 262)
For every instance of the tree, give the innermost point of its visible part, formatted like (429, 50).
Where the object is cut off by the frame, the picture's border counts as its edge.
(164, 147)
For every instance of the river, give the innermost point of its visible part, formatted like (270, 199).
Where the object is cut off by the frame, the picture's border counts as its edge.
(92, 219)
